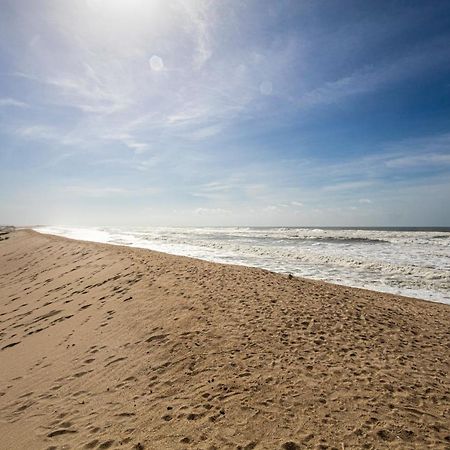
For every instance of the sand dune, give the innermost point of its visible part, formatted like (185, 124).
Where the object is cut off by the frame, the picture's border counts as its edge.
(111, 347)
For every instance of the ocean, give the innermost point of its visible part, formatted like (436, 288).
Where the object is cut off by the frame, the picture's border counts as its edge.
(409, 261)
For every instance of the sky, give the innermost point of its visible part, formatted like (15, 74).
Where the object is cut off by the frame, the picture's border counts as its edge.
(236, 113)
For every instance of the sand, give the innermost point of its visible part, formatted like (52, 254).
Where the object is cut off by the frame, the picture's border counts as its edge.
(110, 347)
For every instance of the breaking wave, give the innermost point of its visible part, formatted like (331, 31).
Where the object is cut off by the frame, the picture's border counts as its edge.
(412, 262)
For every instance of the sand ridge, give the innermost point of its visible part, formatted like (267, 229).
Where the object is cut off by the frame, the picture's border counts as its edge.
(111, 347)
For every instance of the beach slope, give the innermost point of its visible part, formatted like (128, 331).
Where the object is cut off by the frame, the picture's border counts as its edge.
(111, 347)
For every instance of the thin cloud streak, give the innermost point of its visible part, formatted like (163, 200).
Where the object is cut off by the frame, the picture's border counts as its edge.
(7, 102)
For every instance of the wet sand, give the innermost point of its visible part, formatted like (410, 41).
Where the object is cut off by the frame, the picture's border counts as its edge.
(110, 347)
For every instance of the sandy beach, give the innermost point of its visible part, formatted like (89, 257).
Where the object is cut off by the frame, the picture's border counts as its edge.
(104, 346)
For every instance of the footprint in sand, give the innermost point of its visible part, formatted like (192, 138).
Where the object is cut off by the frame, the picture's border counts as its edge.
(106, 444)
(10, 345)
(115, 361)
(80, 374)
(61, 432)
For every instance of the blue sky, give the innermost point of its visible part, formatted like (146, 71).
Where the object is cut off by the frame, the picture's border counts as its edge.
(149, 112)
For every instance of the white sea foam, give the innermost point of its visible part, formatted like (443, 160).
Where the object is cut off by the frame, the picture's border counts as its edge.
(413, 263)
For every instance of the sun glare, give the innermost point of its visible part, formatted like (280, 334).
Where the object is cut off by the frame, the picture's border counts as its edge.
(120, 6)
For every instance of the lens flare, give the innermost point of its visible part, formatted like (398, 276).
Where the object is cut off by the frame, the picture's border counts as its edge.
(156, 63)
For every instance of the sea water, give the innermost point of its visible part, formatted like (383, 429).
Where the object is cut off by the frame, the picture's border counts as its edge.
(409, 261)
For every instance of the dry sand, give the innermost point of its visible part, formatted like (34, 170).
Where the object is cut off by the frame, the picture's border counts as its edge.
(111, 347)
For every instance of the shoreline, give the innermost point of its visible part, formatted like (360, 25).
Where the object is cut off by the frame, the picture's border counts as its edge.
(387, 290)
(107, 346)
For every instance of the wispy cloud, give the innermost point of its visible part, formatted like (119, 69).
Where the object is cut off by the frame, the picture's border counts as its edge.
(200, 19)
(46, 133)
(212, 211)
(40, 132)
(107, 191)
(129, 141)
(8, 101)
(97, 192)
(348, 186)
(375, 76)
(205, 132)
(87, 93)
(409, 161)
